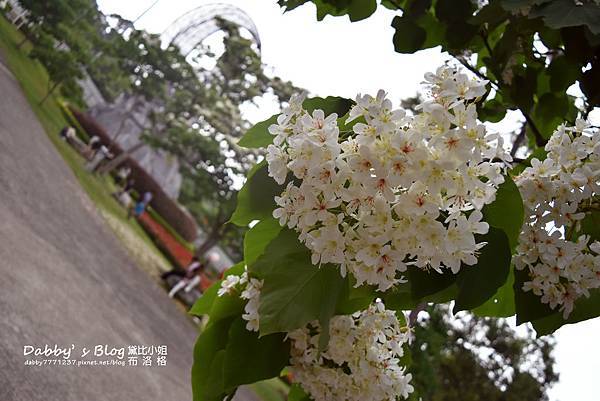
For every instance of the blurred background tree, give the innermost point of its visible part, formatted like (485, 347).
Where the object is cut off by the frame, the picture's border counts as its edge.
(469, 358)
(201, 124)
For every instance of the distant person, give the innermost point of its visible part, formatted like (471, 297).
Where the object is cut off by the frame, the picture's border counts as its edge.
(191, 277)
(123, 195)
(121, 176)
(127, 188)
(67, 133)
(140, 206)
(94, 146)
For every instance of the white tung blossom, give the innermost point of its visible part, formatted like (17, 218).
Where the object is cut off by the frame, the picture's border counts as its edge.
(558, 193)
(395, 189)
(361, 361)
(247, 288)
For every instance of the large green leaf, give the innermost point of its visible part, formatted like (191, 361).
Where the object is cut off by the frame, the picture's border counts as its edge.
(564, 13)
(249, 359)
(355, 9)
(427, 283)
(523, 87)
(550, 111)
(329, 105)
(295, 292)
(450, 11)
(203, 305)
(408, 36)
(258, 237)
(528, 305)
(516, 5)
(355, 298)
(256, 199)
(563, 73)
(216, 307)
(479, 283)
(209, 356)
(506, 212)
(258, 136)
(590, 225)
(585, 308)
(361, 9)
(492, 111)
(502, 304)
(399, 297)
(297, 394)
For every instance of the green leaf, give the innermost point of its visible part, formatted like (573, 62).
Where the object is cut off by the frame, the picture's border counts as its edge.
(297, 394)
(416, 8)
(492, 111)
(502, 304)
(460, 36)
(527, 304)
(209, 355)
(294, 291)
(355, 299)
(563, 73)
(506, 212)
(564, 13)
(523, 87)
(590, 225)
(427, 283)
(256, 199)
(435, 30)
(329, 105)
(258, 136)
(258, 237)
(361, 9)
(289, 5)
(451, 11)
(585, 308)
(249, 359)
(408, 36)
(203, 305)
(224, 307)
(516, 5)
(492, 14)
(550, 112)
(479, 283)
(399, 297)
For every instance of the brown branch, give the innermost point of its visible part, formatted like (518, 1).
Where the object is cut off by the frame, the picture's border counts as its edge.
(518, 140)
(539, 139)
(414, 314)
(478, 73)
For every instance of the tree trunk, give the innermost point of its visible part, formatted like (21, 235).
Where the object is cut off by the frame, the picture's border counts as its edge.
(211, 241)
(114, 163)
(125, 118)
(49, 93)
(119, 131)
(216, 233)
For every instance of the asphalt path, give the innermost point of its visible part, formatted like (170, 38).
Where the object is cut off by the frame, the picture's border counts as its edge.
(66, 280)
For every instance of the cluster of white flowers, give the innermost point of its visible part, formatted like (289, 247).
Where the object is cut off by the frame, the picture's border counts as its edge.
(394, 189)
(361, 362)
(250, 290)
(557, 194)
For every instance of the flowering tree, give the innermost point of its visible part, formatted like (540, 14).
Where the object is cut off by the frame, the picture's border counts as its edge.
(365, 211)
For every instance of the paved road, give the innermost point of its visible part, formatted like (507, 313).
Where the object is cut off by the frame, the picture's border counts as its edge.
(64, 279)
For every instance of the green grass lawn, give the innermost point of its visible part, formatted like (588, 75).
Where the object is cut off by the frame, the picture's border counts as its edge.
(34, 81)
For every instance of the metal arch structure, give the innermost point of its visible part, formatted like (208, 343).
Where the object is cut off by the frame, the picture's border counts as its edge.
(189, 30)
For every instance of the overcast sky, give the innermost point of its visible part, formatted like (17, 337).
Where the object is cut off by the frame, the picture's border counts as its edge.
(335, 57)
